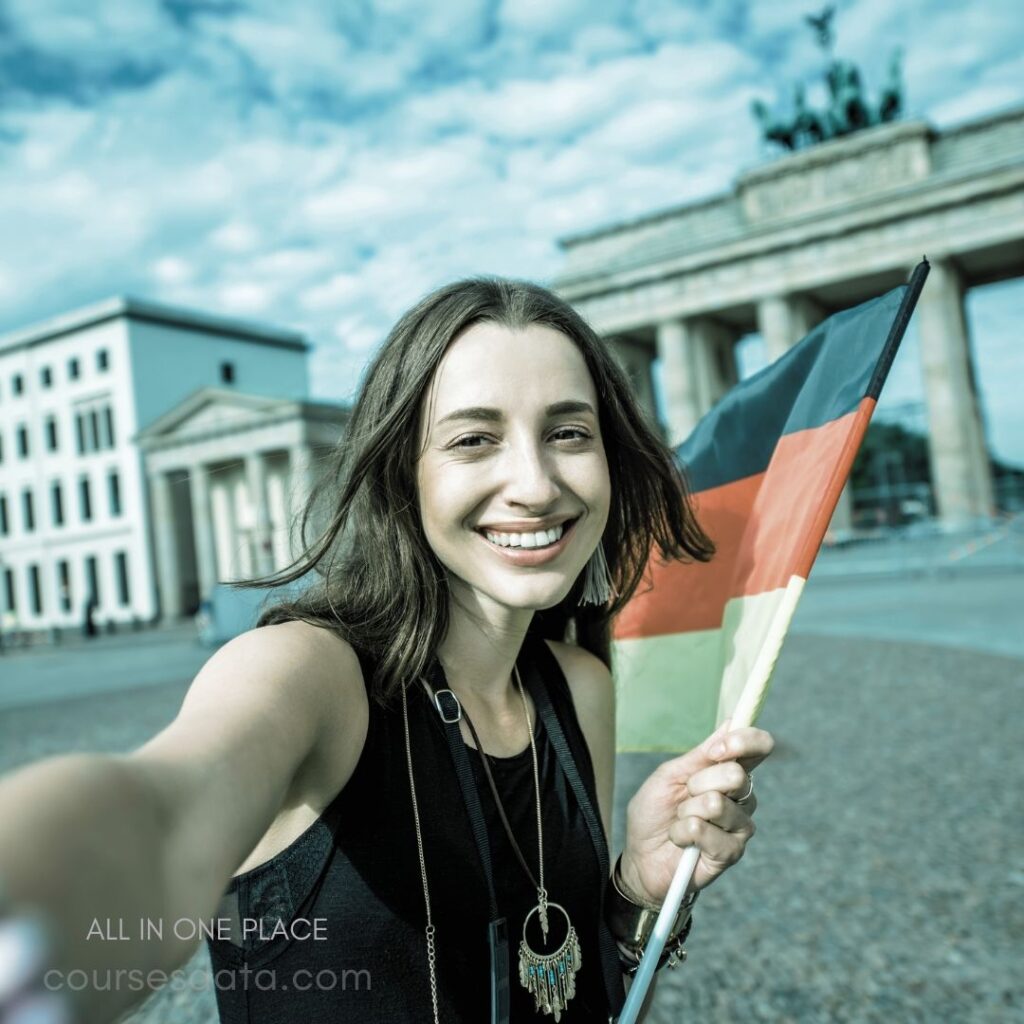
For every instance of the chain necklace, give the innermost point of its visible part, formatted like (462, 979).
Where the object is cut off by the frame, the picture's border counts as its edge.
(549, 977)
(431, 950)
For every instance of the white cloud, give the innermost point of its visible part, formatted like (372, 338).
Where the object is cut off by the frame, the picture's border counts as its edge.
(332, 293)
(323, 165)
(235, 236)
(245, 297)
(102, 32)
(170, 270)
(541, 17)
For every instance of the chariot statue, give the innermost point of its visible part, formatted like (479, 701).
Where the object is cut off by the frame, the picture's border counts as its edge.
(848, 109)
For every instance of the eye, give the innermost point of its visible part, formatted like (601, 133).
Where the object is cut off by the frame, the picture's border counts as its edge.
(572, 434)
(469, 441)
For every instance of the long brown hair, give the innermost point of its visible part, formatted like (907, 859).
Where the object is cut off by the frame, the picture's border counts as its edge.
(380, 586)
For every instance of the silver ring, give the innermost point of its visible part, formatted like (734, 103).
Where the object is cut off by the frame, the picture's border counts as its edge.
(741, 800)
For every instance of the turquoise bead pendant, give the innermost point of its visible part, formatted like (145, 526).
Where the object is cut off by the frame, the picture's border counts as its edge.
(550, 977)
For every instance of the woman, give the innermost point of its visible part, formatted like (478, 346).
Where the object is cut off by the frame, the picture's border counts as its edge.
(492, 506)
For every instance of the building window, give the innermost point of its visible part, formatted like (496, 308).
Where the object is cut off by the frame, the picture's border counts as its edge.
(9, 594)
(108, 419)
(46, 377)
(23, 442)
(227, 373)
(28, 511)
(114, 492)
(92, 579)
(80, 432)
(4, 529)
(1, 447)
(64, 585)
(73, 368)
(102, 360)
(17, 384)
(57, 503)
(94, 430)
(123, 594)
(35, 591)
(51, 433)
(84, 500)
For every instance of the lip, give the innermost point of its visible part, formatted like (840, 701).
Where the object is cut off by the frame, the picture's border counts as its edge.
(532, 556)
(531, 526)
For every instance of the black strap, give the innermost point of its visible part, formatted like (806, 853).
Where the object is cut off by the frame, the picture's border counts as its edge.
(449, 709)
(497, 932)
(611, 966)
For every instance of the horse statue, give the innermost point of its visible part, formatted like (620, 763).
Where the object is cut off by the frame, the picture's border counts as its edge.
(890, 100)
(847, 112)
(773, 129)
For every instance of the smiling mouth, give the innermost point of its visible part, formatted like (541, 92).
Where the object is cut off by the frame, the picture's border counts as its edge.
(528, 540)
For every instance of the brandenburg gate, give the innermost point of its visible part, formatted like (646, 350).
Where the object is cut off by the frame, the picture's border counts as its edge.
(812, 232)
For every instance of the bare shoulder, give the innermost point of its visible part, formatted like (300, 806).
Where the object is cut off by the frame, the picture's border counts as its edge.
(322, 681)
(301, 672)
(269, 731)
(590, 681)
(328, 674)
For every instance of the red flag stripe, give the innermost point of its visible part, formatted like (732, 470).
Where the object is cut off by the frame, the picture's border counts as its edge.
(761, 539)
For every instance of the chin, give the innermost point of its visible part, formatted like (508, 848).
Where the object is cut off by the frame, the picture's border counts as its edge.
(537, 602)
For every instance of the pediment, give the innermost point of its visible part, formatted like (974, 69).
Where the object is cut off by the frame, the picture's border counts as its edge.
(211, 410)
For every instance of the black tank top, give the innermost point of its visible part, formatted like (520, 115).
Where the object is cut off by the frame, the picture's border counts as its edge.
(354, 876)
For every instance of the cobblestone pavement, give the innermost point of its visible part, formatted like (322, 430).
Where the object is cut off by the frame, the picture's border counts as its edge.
(884, 884)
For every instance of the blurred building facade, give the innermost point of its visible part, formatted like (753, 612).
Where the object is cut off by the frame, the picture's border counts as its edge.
(229, 474)
(806, 235)
(80, 523)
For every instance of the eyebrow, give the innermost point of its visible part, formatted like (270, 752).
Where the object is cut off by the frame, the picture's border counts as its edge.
(483, 412)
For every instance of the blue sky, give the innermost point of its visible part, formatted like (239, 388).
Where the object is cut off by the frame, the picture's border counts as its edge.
(320, 165)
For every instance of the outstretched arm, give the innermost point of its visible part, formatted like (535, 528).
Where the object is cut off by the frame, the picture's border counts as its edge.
(98, 843)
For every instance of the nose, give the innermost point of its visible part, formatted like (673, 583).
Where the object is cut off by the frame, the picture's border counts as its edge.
(531, 477)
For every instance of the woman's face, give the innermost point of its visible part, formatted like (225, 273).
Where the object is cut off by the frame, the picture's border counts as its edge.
(512, 449)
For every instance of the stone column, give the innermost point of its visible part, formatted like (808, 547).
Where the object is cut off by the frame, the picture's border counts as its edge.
(961, 472)
(168, 572)
(223, 532)
(300, 471)
(696, 371)
(783, 320)
(256, 481)
(636, 358)
(202, 529)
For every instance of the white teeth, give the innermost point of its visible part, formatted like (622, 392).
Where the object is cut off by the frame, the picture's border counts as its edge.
(537, 539)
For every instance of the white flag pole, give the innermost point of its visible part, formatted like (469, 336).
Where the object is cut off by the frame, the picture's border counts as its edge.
(747, 707)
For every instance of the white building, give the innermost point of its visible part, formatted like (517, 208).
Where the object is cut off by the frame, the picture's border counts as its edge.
(228, 476)
(75, 515)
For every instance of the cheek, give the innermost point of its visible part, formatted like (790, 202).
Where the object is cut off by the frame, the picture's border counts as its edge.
(591, 482)
(444, 505)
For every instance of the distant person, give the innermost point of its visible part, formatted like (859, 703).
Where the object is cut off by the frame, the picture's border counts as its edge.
(493, 505)
(89, 625)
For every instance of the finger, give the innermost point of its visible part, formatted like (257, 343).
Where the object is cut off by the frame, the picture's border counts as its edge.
(679, 769)
(728, 777)
(714, 843)
(749, 746)
(718, 810)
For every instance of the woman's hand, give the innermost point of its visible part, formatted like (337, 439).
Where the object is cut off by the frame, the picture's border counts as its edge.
(691, 801)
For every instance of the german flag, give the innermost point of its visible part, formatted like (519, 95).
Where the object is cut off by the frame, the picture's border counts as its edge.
(766, 466)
